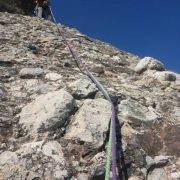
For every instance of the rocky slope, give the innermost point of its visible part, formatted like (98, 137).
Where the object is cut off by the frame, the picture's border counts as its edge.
(54, 123)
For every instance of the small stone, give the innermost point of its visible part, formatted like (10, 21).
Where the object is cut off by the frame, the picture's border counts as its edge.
(158, 174)
(53, 76)
(120, 60)
(157, 161)
(61, 174)
(1, 93)
(149, 160)
(149, 63)
(31, 72)
(35, 86)
(42, 89)
(135, 178)
(8, 157)
(175, 175)
(83, 88)
(82, 176)
(4, 61)
(30, 83)
(177, 112)
(67, 63)
(116, 58)
(34, 48)
(53, 149)
(165, 76)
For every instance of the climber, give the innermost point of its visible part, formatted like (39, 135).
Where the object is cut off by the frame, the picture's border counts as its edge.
(42, 9)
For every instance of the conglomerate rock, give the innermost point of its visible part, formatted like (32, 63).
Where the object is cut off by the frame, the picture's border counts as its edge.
(49, 130)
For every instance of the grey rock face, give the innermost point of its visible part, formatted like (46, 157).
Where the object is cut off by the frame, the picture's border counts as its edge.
(83, 88)
(31, 72)
(149, 63)
(47, 112)
(132, 109)
(26, 162)
(91, 122)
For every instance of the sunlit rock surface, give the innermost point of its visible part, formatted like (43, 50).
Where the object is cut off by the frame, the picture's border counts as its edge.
(55, 125)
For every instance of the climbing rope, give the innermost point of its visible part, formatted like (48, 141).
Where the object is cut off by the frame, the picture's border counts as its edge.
(108, 157)
(111, 149)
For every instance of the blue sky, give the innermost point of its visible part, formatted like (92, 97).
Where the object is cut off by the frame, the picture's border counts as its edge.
(143, 27)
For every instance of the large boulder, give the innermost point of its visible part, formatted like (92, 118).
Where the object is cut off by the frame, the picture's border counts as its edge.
(91, 123)
(149, 63)
(134, 111)
(47, 112)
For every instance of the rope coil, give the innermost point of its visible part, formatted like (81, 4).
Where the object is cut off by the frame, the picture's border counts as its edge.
(111, 155)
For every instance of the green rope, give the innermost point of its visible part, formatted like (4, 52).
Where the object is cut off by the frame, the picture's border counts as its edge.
(108, 156)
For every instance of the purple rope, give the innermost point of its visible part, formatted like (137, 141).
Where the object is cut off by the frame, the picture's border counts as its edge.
(113, 121)
(114, 148)
(104, 92)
